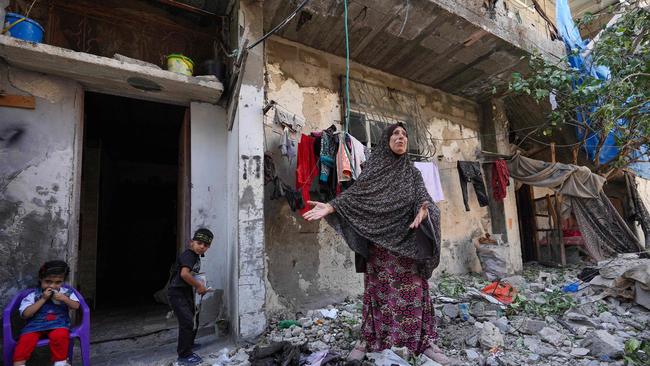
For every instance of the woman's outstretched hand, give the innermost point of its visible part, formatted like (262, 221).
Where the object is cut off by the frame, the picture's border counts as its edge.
(423, 213)
(319, 210)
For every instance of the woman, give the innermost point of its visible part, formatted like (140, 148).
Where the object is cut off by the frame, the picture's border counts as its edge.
(390, 221)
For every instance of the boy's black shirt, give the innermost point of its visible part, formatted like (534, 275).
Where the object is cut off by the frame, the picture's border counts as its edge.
(187, 259)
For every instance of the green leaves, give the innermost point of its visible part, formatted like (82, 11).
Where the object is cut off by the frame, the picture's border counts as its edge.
(625, 49)
(636, 352)
(554, 303)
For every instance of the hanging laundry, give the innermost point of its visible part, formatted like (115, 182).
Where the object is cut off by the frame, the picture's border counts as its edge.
(327, 154)
(287, 144)
(343, 164)
(294, 198)
(431, 177)
(306, 168)
(500, 179)
(290, 120)
(269, 169)
(470, 171)
(636, 210)
(358, 156)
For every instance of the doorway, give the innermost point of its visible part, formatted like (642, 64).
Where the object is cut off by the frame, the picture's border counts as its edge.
(129, 233)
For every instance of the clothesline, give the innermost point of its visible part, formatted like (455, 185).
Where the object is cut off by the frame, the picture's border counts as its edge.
(482, 161)
(276, 105)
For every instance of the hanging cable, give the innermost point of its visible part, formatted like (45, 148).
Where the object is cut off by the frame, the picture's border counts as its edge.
(275, 29)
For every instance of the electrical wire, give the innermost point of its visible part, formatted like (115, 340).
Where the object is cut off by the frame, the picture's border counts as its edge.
(275, 29)
(406, 17)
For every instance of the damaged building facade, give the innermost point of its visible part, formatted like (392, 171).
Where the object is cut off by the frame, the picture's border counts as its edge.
(435, 71)
(442, 69)
(110, 163)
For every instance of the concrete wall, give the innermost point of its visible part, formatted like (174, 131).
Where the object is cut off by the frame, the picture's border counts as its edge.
(208, 194)
(89, 223)
(39, 188)
(308, 264)
(643, 185)
(250, 321)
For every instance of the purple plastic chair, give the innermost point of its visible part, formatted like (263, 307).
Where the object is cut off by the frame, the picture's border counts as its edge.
(82, 331)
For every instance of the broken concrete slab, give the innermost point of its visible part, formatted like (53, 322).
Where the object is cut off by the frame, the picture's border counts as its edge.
(601, 343)
(531, 326)
(450, 310)
(490, 336)
(579, 352)
(107, 75)
(580, 319)
(535, 345)
(552, 336)
(515, 281)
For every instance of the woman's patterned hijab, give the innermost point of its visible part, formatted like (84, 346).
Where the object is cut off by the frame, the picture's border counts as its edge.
(379, 207)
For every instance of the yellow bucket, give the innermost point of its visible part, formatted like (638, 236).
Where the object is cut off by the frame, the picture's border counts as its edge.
(180, 64)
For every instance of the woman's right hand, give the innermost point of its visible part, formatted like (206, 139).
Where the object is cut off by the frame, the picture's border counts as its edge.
(319, 210)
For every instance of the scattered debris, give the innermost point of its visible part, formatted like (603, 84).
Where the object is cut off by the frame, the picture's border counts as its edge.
(543, 325)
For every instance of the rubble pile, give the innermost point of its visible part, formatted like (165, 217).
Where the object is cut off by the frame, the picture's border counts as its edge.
(554, 319)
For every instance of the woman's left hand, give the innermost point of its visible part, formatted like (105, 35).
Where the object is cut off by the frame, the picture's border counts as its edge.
(423, 213)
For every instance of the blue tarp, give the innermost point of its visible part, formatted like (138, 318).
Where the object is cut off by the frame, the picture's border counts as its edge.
(575, 47)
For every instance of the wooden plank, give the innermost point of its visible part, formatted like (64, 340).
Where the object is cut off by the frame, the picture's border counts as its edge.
(538, 255)
(552, 223)
(552, 152)
(17, 101)
(558, 211)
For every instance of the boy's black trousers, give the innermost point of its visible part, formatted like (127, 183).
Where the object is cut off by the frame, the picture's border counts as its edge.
(181, 300)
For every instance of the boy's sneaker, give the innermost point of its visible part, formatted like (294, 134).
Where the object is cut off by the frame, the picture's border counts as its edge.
(190, 360)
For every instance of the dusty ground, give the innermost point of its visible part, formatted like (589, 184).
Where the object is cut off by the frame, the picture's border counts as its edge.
(544, 326)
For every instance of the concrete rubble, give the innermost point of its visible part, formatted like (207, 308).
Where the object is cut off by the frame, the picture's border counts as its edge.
(543, 325)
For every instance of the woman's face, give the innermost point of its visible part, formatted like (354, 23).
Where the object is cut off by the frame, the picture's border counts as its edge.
(398, 141)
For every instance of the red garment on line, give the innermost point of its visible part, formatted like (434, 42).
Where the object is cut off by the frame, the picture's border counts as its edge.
(59, 342)
(305, 168)
(500, 179)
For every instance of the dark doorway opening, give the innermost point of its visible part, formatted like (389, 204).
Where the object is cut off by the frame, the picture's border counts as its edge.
(527, 223)
(128, 230)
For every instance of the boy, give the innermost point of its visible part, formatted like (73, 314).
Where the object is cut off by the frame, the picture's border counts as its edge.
(181, 294)
(47, 313)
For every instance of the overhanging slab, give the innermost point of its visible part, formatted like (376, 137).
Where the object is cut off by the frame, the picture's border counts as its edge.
(110, 76)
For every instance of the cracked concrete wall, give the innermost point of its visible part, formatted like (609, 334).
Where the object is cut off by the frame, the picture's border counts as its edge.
(308, 264)
(250, 288)
(510, 20)
(39, 184)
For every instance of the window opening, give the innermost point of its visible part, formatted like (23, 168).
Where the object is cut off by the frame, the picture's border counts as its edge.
(374, 107)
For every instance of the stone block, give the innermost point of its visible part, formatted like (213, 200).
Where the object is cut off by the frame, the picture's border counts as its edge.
(490, 336)
(531, 326)
(601, 343)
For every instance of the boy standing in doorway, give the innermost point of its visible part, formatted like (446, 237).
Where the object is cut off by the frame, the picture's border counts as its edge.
(181, 294)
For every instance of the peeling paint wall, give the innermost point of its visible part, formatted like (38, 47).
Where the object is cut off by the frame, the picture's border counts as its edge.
(308, 264)
(251, 288)
(39, 188)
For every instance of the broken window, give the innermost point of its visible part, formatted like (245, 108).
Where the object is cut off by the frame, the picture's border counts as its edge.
(374, 107)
